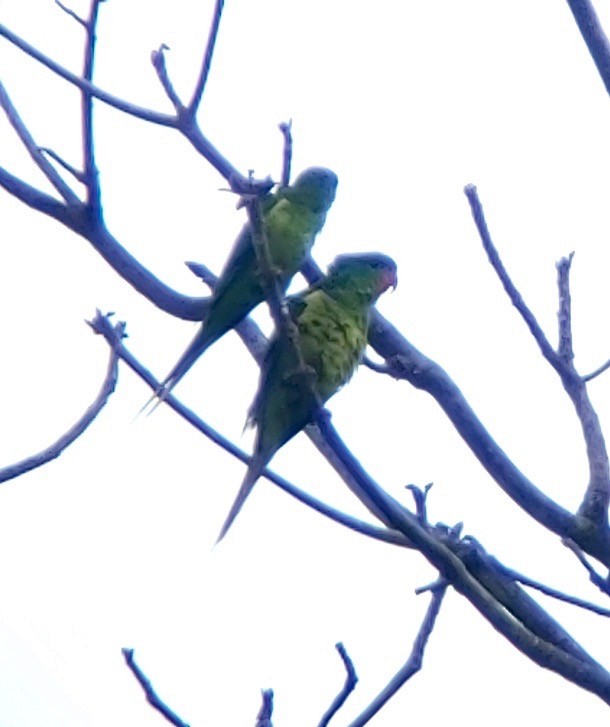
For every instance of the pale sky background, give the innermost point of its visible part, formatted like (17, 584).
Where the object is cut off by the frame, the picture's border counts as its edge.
(111, 545)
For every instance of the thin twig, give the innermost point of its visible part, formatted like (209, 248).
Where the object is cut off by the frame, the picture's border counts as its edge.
(420, 496)
(274, 295)
(410, 364)
(128, 108)
(157, 58)
(183, 122)
(348, 468)
(76, 173)
(260, 243)
(151, 696)
(351, 679)
(34, 150)
(413, 663)
(515, 297)
(602, 583)
(207, 59)
(101, 326)
(565, 348)
(89, 166)
(71, 13)
(553, 592)
(378, 368)
(286, 128)
(597, 372)
(434, 586)
(593, 511)
(54, 450)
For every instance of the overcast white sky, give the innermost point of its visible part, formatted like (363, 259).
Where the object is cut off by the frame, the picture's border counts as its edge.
(111, 545)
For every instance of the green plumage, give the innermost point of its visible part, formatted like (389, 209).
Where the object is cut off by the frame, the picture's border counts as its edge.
(331, 322)
(292, 218)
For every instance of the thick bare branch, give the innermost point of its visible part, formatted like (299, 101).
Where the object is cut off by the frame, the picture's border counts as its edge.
(55, 449)
(127, 266)
(594, 507)
(507, 592)
(407, 362)
(594, 36)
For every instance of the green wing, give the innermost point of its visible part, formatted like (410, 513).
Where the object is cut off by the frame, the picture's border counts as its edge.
(292, 220)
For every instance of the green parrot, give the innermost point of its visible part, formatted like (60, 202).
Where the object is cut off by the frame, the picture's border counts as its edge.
(331, 320)
(292, 218)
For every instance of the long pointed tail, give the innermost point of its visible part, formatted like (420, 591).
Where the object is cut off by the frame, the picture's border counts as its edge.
(252, 475)
(195, 349)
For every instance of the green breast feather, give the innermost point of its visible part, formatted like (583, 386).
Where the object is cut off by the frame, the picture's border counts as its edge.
(331, 322)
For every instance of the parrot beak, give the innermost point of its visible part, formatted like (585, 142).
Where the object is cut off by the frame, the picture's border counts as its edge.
(389, 280)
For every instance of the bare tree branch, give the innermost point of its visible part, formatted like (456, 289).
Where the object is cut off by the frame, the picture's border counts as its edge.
(597, 372)
(553, 592)
(594, 36)
(139, 112)
(286, 128)
(184, 122)
(207, 59)
(77, 174)
(565, 348)
(101, 325)
(602, 583)
(515, 297)
(127, 266)
(420, 496)
(89, 166)
(351, 679)
(489, 573)
(157, 58)
(273, 291)
(408, 363)
(593, 511)
(71, 13)
(412, 665)
(151, 696)
(594, 507)
(55, 449)
(34, 150)
(263, 718)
